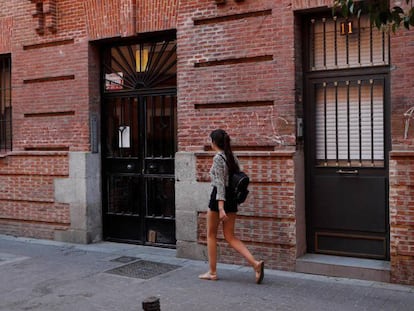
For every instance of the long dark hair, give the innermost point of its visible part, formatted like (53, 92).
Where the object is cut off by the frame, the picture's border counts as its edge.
(222, 140)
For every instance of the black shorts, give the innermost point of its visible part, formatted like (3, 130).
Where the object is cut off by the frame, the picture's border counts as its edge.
(230, 205)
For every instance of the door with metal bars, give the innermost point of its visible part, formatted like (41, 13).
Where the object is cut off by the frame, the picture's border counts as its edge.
(139, 142)
(347, 142)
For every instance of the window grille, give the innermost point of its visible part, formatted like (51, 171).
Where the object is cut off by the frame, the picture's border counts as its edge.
(141, 66)
(5, 104)
(349, 123)
(338, 43)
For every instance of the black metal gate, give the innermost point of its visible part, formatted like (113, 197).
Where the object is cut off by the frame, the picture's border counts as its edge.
(139, 142)
(347, 140)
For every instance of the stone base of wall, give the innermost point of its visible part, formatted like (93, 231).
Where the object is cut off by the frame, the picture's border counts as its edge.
(51, 195)
(82, 191)
(191, 250)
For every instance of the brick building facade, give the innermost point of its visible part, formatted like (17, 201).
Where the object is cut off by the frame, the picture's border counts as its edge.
(250, 67)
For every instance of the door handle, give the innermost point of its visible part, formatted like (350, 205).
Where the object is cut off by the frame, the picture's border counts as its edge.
(152, 168)
(351, 172)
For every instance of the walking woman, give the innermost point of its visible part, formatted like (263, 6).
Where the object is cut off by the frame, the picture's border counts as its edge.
(222, 208)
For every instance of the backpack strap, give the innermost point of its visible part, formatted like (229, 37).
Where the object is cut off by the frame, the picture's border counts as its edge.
(223, 159)
(228, 170)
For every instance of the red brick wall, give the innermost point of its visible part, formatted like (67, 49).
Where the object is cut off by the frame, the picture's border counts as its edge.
(210, 42)
(55, 88)
(239, 74)
(402, 159)
(236, 70)
(49, 72)
(402, 216)
(50, 117)
(27, 194)
(6, 26)
(310, 4)
(266, 221)
(223, 62)
(44, 123)
(103, 19)
(106, 19)
(402, 87)
(156, 15)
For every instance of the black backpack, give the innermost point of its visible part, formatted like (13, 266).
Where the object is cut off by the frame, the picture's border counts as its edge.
(238, 183)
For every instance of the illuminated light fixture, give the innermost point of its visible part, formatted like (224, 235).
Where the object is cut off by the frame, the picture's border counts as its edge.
(141, 56)
(347, 28)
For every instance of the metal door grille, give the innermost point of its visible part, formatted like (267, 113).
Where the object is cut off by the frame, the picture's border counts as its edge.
(5, 103)
(161, 127)
(123, 197)
(350, 123)
(122, 127)
(140, 66)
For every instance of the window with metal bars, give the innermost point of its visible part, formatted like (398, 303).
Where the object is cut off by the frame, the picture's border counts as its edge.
(339, 43)
(5, 103)
(140, 66)
(349, 123)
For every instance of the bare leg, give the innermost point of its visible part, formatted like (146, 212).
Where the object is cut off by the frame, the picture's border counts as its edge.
(228, 230)
(213, 222)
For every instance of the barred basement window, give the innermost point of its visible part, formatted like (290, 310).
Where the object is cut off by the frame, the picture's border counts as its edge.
(5, 103)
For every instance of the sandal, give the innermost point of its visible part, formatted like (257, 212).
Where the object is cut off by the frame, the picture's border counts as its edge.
(259, 272)
(208, 276)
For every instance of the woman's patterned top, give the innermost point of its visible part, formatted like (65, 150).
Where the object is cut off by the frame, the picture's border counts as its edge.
(219, 174)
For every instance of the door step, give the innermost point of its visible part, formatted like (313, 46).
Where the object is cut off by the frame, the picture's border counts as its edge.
(347, 267)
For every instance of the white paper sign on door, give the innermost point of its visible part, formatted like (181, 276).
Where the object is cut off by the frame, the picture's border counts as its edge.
(124, 137)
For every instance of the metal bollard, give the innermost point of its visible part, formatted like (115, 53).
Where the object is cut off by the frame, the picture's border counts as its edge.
(151, 304)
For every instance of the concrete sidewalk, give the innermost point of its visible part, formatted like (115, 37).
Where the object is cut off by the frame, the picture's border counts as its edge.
(47, 275)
